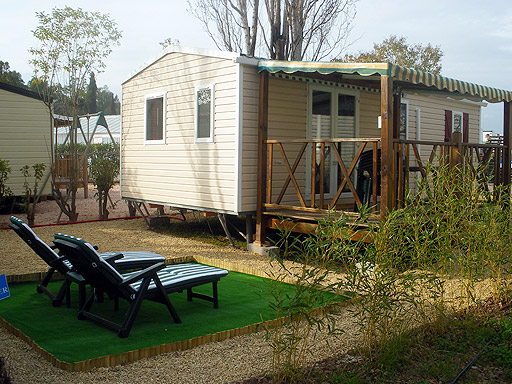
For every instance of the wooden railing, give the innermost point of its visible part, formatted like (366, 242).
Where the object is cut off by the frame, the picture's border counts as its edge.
(481, 159)
(485, 158)
(286, 178)
(282, 148)
(64, 165)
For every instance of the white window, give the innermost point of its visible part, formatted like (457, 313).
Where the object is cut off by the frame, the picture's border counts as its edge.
(205, 114)
(404, 120)
(457, 122)
(154, 119)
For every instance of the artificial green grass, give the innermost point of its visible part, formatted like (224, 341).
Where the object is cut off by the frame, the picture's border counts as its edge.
(242, 301)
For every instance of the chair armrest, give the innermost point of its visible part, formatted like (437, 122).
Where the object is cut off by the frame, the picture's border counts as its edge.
(144, 273)
(58, 260)
(112, 258)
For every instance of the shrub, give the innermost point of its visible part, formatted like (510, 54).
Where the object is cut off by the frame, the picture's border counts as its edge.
(104, 170)
(425, 261)
(5, 171)
(30, 199)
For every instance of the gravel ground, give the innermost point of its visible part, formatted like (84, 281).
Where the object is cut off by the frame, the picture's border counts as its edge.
(229, 361)
(48, 211)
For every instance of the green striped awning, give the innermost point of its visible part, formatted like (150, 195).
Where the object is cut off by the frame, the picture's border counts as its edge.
(441, 83)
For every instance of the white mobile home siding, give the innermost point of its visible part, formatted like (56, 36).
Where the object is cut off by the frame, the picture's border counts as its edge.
(25, 136)
(181, 172)
(286, 120)
(250, 91)
(432, 117)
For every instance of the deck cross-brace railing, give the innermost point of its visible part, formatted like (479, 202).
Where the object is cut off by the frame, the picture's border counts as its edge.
(291, 169)
(450, 153)
(488, 158)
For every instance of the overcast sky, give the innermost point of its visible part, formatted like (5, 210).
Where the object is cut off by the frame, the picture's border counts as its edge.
(476, 38)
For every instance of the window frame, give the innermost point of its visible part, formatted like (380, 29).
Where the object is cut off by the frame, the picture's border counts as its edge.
(461, 114)
(406, 103)
(163, 96)
(335, 92)
(211, 138)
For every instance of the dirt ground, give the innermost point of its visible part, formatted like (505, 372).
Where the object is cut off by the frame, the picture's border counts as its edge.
(47, 212)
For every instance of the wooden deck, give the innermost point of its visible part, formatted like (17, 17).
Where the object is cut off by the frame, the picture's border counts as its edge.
(307, 222)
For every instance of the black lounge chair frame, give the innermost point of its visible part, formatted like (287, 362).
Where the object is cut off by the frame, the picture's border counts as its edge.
(58, 263)
(104, 277)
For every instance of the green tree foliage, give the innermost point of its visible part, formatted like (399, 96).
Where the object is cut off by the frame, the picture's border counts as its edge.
(92, 91)
(108, 102)
(5, 171)
(104, 170)
(72, 44)
(10, 77)
(398, 51)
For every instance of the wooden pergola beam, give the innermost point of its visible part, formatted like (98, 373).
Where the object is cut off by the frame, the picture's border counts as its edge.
(262, 159)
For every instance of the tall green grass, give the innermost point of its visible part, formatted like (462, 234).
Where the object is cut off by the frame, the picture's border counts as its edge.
(445, 251)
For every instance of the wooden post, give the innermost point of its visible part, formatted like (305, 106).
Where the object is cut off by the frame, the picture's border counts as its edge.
(262, 159)
(374, 176)
(456, 151)
(507, 141)
(386, 137)
(398, 165)
(249, 232)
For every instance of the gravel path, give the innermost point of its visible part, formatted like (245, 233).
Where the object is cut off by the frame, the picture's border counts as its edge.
(229, 361)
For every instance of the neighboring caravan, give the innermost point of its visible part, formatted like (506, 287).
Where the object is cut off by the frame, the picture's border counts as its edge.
(25, 134)
(191, 120)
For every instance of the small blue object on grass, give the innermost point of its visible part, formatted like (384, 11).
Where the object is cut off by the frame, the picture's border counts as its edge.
(4, 288)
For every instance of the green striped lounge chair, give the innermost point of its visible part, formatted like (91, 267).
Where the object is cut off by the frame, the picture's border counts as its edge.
(124, 261)
(154, 283)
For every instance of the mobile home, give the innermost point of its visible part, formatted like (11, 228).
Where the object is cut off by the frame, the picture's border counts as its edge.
(222, 132)
(25, 134)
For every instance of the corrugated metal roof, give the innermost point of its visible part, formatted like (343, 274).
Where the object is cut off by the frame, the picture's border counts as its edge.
(113, 122)
(441, 83)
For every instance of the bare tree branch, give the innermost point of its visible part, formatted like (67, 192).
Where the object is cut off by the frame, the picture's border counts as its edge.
(290, 29)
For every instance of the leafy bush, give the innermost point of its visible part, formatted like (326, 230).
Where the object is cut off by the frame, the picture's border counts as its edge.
(445, 251)
(5, 171)
(30, 199)
(62, 149)
(104, 170)
(311, 308)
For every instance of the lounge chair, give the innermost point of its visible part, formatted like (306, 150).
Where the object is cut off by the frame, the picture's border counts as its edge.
(153, 283)
(124, 261)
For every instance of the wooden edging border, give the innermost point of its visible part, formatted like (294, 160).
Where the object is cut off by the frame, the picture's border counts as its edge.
(131, 356)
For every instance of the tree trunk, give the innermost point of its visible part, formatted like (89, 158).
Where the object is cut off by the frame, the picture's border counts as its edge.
(103, 204)
(131, 208)
(30, 209)
(296, 20)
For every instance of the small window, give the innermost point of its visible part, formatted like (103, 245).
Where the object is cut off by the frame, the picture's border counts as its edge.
(155, 119)
(404, 120)
(457, 122)
(205, 118)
